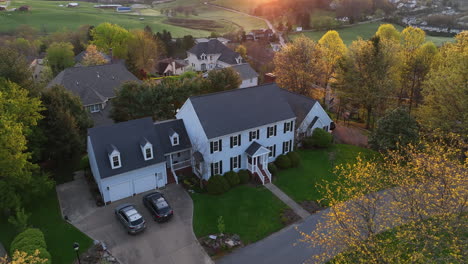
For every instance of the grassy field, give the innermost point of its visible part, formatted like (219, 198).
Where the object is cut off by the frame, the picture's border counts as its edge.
(364, 31)
(252, 213)
(59, 235)
(316, 166)
(241, 5)
(48, 16)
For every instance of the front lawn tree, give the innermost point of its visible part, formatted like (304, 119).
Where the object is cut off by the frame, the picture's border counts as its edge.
(60, 56)
(65, 123)
(366, 76)
(108, 36)
(396, 128)
(298, 66)
(223, 79)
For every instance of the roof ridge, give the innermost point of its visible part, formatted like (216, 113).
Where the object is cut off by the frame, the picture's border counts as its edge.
(298, 94)
(234, 90)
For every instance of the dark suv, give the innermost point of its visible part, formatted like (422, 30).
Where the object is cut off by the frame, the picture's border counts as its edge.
(158, 206)
(130, 218)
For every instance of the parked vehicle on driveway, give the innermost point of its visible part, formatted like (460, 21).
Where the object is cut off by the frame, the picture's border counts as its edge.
(130, 218)
(158, 206)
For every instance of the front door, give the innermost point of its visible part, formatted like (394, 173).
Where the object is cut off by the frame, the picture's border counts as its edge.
(258, 161)
(160, 179)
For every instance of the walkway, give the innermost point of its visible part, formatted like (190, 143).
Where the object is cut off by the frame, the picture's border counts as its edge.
(287, 200)
(280, 36)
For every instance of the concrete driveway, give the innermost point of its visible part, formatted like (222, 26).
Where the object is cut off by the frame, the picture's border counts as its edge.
(173, 242)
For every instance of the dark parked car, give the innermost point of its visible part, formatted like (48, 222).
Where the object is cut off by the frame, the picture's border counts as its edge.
(130, 218)
(158, 206)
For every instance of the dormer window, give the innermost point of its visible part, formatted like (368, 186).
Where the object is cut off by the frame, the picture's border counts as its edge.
(146, 149)
(174, 138)
(239, 60)
(203, 57)
(114, 157)
(116, 162)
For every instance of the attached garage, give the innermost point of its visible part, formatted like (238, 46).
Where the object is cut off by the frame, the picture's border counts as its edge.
(120, 191)
(144, 184)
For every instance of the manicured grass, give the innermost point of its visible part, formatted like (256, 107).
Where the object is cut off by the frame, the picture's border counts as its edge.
(59, 235)
(365, 31)
(252, 213)
(316, 166)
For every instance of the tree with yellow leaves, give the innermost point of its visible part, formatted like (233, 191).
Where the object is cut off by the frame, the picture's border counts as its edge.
(93, 57)
(298, 66)
(410, 207)
(20, 257)
(143, 50)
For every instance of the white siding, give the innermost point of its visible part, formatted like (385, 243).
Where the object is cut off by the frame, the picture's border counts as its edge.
(323, 119)
(211, 61)
(249, 83)
(93, 163)
(130, 176)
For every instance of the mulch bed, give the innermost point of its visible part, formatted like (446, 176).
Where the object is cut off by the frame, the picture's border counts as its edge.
(288, 216)
(311, 206)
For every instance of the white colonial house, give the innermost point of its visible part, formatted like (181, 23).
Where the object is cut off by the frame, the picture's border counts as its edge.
(241, 129)
(213, 54)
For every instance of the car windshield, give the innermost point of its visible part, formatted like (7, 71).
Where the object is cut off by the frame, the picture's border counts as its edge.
(137, 222)
(162, 206)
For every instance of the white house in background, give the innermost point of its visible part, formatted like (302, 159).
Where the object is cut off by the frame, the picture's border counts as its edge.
(225, 41)
(213, 134)
(248, 75)
(206, 56)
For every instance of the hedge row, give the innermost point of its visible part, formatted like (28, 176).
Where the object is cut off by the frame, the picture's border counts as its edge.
(29, 241)
(319, 139)
(218, 184)
(290, 160)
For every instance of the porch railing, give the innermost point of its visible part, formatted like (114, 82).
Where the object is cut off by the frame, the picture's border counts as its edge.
(181, 165)
(268, 174)
(260, 174)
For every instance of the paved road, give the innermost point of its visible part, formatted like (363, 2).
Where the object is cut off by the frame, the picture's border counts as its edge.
(280, 36)
(173, 242)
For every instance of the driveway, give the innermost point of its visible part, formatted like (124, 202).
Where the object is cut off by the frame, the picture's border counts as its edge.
(173, 242)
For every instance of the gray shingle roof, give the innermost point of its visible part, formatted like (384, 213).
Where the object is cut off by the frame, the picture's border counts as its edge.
(214, 46)
(125, 137)
(165, 129)
(300, 104)
(245, 71)
(253, 148)
(94, 84)
(241, 109)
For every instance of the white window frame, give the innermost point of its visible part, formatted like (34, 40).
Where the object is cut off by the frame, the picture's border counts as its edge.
(216, 168)
(270, 148)
(215, 146)
(271, 131)
(94, 108)
(235, 141)
(235, 162)
(254, 134)
(146, 153)
(118, 160)
(287, 147)
(203, 57)
(175, 140)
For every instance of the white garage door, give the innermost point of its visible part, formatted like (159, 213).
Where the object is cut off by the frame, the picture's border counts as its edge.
(145, 184)
(120, 191)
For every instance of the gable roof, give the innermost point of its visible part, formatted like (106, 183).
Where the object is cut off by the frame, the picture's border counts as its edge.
(94, 84)
(301, 105)
(256, 147)
(166, 129)
(245, 71)
(214, 46)
(125, 137)
(241, 109)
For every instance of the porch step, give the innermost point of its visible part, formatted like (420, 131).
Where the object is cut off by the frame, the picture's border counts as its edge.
(170, 177)
(267, 180)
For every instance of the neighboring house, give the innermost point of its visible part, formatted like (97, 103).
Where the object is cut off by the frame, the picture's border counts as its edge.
(258, 34)
(213, 134)
(225, 41)
(248, 75)
(95, 85)
(275, 47)
(170, 66)
(79, 58)
(206, 56)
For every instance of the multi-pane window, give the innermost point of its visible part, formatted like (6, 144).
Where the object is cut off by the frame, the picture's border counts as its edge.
(217, 168)
(271, 131)
(287, 146)
(216, 146)
(255, 134)
(115, 162)
(235, 141)
(272, 150)
(288, 126)
(94, 108)
(148, 153)
(175, 140)
(236, 162)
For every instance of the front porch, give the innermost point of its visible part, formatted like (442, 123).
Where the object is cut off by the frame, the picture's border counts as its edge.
(257, 162)
(178, 163)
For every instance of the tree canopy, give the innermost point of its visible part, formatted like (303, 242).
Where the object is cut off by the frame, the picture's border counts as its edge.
(108, 36)
(60, 56)
(223, 79)
(93, 57)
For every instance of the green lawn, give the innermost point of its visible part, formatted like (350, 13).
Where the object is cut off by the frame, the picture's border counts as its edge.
(316, 166)
(48, 16)
(59, 235)
(365, 31)
(252, 213)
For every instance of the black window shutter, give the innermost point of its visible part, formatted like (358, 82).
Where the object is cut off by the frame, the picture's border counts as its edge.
(220, 145)
(221, 167)
(268, 132)
(292, 125)
(284, 127)
(290, 145)
(239, 161)
(258, 134)
(211, 147)
(274, 150)
(231, 141)
(231, 162)
(250, 136)
(275, 130)
(239, 140)
(212, 169)
(283, 146)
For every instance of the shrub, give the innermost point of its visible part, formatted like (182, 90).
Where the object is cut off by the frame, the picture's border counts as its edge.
(19, 220)
(321, 138)
(84, 163)
(308, 143)
(30, 240)
(244, 176)
(232, 178)
(283, 162)
(272, 168)
(217, 184)
(294, 158)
